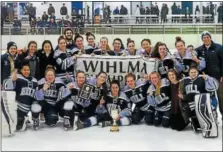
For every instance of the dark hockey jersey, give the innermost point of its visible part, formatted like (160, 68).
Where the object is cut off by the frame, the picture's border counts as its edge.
(189, 88)
(51, 94)
(64, 63)
(162, 66)
(89, 49)
(120, 103)
(138, 95)
(161, 101)
(73, 95)
(25, 89)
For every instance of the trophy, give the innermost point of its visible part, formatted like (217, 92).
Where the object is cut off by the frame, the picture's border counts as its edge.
(86, 91)
(114, 127)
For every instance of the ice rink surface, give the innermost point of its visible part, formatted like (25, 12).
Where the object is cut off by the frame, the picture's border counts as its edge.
(130, 138)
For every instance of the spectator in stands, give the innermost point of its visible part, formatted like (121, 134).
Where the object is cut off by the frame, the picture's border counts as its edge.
(45, 57)
(116, 11)
(148, 12)
(10, 12)
(174, 11)
(52, 27)
(63, 10)
(31, 12)
(4, 12)
(52, 16)
(123, 11)
(137, 13)
(197, 12)
(17, 27)
(51, 9)
(220, 13)
(212, 12)
(97, 12)
(157, 12)
(33, 26)
(142, 12)
(179, 11)
(164, 12)
(44, 17)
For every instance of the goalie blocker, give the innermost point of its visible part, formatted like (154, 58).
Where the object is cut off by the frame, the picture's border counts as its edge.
(206, 115)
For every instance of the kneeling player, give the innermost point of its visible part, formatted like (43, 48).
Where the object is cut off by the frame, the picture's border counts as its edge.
(115, 100)
(25, 87)
(196, 85)
(47, 95)
(159, 98)
(136, 91)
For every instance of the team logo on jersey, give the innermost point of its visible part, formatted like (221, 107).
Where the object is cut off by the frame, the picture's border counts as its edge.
(5, 63)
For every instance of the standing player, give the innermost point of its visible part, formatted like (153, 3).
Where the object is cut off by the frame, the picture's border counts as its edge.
(114, 100)
(136, 92)
(47, 95)
(159, 98)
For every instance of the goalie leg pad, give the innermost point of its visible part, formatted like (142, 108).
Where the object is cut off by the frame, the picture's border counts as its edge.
(205, 115)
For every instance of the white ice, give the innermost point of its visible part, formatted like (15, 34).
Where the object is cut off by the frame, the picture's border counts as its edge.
(130, 138)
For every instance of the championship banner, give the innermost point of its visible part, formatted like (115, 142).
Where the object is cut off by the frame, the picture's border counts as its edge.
(115, 66)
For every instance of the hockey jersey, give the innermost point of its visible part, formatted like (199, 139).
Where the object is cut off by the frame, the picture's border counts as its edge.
(162, 66)
(64, 63)
(138, 95)
(25, 89)
(186, 61)
(190, 87)
(120, 103)
(161, 101)
(51, 94)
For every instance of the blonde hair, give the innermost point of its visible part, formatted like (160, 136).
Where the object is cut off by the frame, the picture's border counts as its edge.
(157, 91)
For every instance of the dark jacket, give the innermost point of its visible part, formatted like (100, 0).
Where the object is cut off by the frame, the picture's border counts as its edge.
(34, 71)
(5, 67)
(44, 61)
(214, 59)
(63, 10)
(51, 10)
(44, 17)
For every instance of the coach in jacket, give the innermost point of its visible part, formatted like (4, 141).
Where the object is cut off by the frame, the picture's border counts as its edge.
(212, 53)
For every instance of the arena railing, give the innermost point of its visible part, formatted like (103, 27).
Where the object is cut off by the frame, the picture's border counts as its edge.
(118, 29)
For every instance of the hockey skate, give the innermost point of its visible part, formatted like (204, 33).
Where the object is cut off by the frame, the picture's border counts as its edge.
(77, 123)
(21, 124)
(104, 124)
(66, 124)
(36, 123)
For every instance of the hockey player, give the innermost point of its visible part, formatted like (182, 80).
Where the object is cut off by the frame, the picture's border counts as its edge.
(82, 109)
(64, 61)
(194, 85)
(25, 88)
(47, 94)
(165, 61)
(177, 121)
(136, 92)
(159, 98)
(187, 58)
(114, 100)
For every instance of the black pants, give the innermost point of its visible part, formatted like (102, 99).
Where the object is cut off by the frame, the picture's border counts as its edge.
(50, 113)
(177, 122)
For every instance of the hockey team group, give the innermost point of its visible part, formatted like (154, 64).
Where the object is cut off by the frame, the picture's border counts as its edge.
(181, 91)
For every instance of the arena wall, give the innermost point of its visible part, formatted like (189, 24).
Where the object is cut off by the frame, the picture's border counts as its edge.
(169, 39)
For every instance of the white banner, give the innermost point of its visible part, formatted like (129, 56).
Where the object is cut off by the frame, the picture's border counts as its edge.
(115, 66)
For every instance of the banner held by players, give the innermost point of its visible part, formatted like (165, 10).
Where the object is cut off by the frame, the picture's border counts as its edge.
(115, 66)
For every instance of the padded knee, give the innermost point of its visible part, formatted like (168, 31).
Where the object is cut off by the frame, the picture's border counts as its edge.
(68, 105)
(36, 108)
(125, 121)
(149, 117)
(157, 119)
(136, 118)
(166, 121)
